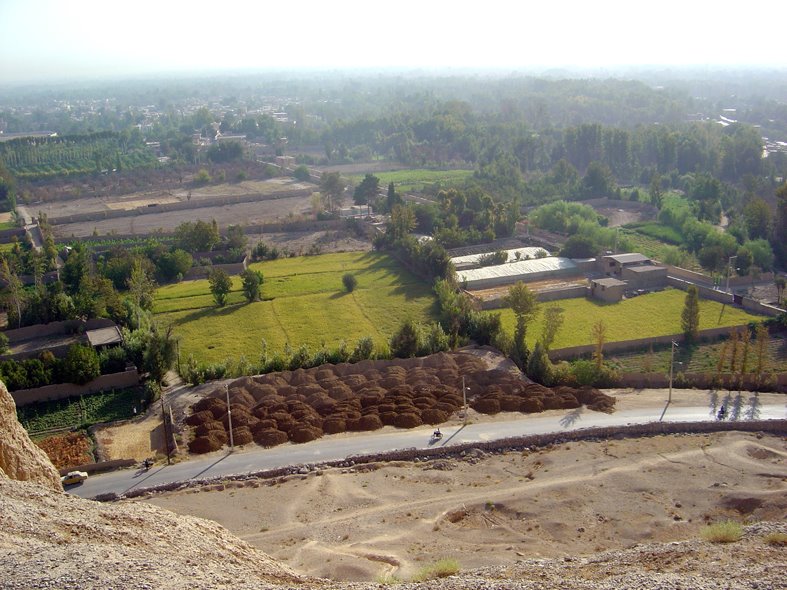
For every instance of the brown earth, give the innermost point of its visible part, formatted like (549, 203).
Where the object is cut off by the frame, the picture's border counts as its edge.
(570, 500)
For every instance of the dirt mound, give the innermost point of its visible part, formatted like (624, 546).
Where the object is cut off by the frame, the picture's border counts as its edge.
(302, 405)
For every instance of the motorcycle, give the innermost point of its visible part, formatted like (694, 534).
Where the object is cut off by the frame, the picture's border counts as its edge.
(437, 435)
(722, 413)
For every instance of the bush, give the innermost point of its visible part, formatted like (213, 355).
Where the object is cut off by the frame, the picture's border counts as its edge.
(81, 364)
(723, 532)
(112, 360)
(350, 282)
(776, 539)
(440, 569)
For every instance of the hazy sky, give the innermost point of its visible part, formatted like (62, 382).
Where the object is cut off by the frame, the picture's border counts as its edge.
(71, 39)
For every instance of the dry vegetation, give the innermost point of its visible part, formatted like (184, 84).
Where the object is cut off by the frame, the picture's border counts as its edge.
(302, 405)
(67, 450)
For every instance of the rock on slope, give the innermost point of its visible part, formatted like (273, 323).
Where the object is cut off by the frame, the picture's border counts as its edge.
(50, 539)
(20, 459)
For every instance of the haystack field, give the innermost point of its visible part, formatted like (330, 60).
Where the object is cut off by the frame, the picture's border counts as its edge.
(303, 405)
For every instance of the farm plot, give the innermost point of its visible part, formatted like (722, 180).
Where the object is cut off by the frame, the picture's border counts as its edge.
(654, 314)
(410, 180)
(303, 303)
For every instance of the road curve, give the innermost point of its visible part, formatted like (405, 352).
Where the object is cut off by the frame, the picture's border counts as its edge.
(333, 448)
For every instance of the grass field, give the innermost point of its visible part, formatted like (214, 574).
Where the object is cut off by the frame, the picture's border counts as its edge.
(654, 314)
(409, 180)
(303, 303)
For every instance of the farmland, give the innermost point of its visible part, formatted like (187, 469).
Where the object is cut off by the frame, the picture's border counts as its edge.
(654, 314)
(411, 180)
(74, 412)
(303, 303)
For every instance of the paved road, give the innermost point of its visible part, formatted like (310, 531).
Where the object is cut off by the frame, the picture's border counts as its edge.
(337, 448)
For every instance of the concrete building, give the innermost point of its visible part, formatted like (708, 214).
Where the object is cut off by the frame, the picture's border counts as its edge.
(612, 265)
(608, 289)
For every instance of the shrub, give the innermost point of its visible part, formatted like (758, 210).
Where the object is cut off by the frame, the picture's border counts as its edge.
(440, 569)
(350, 282)
(776, 538)
(81, 364)
(723, 532)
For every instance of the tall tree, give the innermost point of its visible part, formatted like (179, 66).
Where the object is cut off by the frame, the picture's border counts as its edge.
(599, 334)
(553, 321)
(690, 317)
(366, 192)
(15, 290)
(524, 304)
(332, 185)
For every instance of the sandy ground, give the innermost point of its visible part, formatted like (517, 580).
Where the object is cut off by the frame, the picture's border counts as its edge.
(579, 498)
(573, 499)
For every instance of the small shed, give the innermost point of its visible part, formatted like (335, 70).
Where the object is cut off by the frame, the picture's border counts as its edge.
(607, 289)
(104, 337)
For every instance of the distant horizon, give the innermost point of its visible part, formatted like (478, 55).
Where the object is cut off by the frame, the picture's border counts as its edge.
(54, 42)
(546, 72)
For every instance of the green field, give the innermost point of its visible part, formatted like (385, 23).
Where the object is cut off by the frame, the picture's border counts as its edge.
(303, 303)
(654, 314)
(414, 180)
(73, 412)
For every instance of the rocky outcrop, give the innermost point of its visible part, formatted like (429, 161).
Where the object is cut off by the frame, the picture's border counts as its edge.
(55, 540)
(20, 459)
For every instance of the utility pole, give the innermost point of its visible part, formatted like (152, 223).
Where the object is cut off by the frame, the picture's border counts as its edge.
(229, 417)
(729, 271)
(671, 366)
(464, 400)
(166, 430)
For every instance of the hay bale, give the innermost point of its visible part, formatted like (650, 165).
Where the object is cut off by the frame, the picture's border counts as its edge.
(261, 391)
(301, 377)
(510, 403)
(388, 418)
(286, 390)
(270, 437)
(424, 402)
(200, 418)
(531, 405)
(239, 418)
(302, 434)
(486, 405)
(434, 416)
(408, 420)
(203, 444)
(535, 389)
(283, 420)
(355, 381)
(265, 424)
(324, 372)
(447, 408)
(241, 397)
(334, 425)
(369, 398)
(340, 392)
(205, 428)
(552, 402)
(208, 403)
(309, 389)
(370, 422)
(242, 435)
